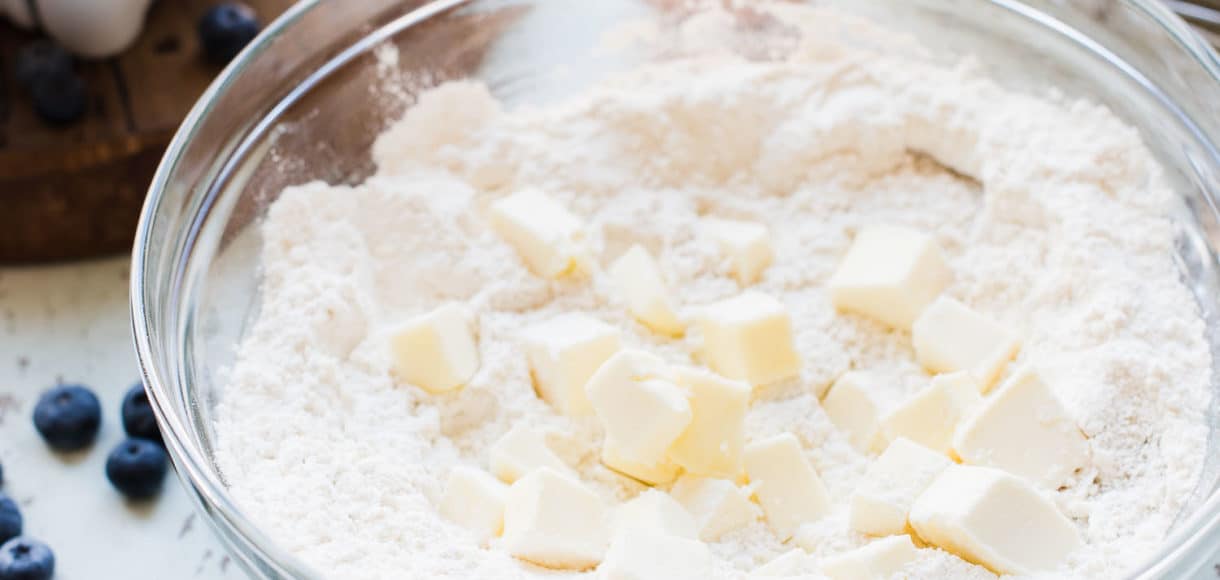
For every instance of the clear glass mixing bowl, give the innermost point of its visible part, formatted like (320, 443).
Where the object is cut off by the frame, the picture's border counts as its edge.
(305, 100)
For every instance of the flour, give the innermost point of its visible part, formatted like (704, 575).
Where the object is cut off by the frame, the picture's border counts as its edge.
(1051, 212)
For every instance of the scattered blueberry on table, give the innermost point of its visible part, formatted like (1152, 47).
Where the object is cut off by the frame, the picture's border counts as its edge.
(138, 418)
(137, 468)
(41, 59)
(48, 75)
(24, 558)
(10, 519)
(68, 417)
(226, 29)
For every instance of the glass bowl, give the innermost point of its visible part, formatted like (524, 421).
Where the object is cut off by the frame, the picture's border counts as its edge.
(306, 99)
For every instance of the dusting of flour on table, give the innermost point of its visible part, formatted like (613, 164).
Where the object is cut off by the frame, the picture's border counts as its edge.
(1050, 212)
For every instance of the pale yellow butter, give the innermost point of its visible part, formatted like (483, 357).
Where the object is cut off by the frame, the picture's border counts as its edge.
(553, 520)
(995, 519)
(638, 279)
(890, 274)
(749, 338)
(564, 352)
(437, 351)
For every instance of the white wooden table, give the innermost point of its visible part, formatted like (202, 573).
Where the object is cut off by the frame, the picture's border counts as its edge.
(70, 324)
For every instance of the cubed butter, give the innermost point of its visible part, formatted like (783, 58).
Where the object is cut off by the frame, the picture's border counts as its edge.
(890, 274)
(749, 338)
(1023, 429)
(638, 279)
(949, 336)
(994, 519)
(880, 506)
(654, 512)
(644, 556)
(712, 444)
(717, 505)
(789, 563)
(650, 473)
(638, 403)
(521, 451)
(436, 351)
(746, 245)
(474, 500)
(931, 415)
(553, 520)
(550, 239)
(850, 405)
(564, 352)
(790, 491)
(878, 560)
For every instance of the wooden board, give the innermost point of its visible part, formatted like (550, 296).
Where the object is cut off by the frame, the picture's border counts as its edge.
(76, 191)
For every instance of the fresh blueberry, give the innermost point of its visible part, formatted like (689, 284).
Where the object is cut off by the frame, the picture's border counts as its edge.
(46, 72)
(138, 418)
(42, 59)
(137, 468)
(24, 558)
(225, 29)
(60, 100)
(10, 519)
(68, 417)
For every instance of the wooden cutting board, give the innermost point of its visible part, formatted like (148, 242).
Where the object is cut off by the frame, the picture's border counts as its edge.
(76, 191)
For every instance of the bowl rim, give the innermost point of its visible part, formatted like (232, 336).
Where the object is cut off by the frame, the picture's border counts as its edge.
(207, 489)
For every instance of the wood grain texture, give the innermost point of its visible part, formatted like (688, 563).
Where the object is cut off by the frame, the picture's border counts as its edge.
(75, 192)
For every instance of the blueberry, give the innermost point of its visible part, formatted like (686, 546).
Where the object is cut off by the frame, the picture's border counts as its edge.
(225, 29)
(42, 59)
(60, 100)
(138, 418)
(68, 417)
(24, 558)
(46, 72)
(137, 468)
(10, 519)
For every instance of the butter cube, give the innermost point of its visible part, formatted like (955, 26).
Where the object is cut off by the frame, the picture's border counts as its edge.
(655, 512)
(890, 274)
(992, 518)
(644, 556)
(930, 417)
(550, 239)
(790, 491)
(717, 505)
(746, 244)
(638, 279)
(641, 408)
(789, 563)
(521, 451)
(564, 352)
(474, 500)
(554, 521)
(649, 473)
(437, 351)
(712, 444)
(949, 337)
(851, 408)
(1022, 428)
(881, 503)
(749, 338)
(878, 560)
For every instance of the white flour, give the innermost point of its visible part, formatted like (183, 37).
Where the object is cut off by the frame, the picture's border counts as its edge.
(1050, 211)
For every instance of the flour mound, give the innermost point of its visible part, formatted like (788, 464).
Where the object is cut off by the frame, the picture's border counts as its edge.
(1051, 212)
